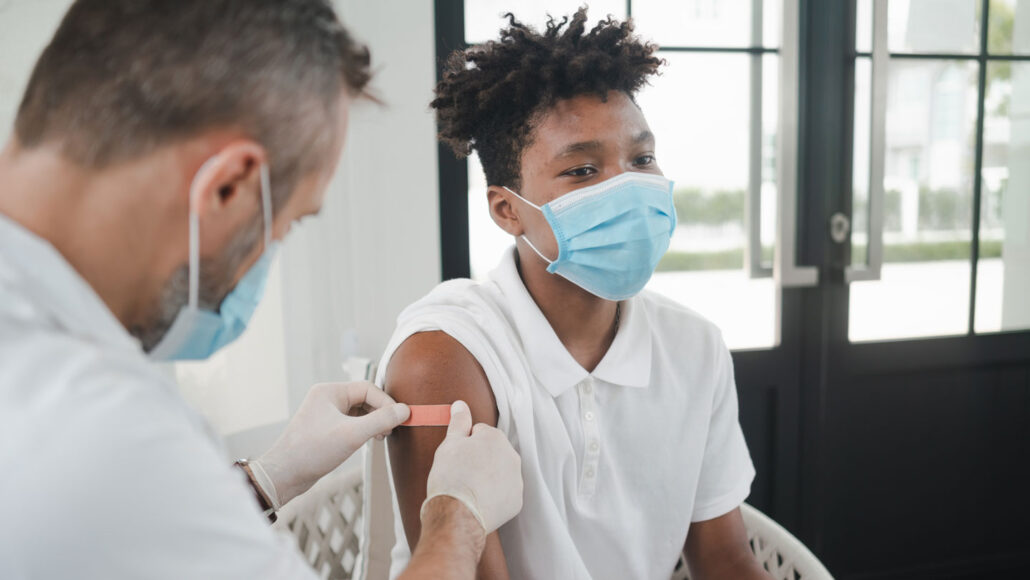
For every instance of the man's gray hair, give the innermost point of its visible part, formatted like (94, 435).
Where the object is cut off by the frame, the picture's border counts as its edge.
(121, 78)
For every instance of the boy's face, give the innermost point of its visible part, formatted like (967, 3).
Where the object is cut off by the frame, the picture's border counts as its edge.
(579, 142)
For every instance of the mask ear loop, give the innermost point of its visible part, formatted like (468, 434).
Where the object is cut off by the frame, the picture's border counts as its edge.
(194, 237)
(266, 203)
(523, 236)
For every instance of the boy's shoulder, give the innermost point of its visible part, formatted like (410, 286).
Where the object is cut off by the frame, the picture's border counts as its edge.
(456, 296)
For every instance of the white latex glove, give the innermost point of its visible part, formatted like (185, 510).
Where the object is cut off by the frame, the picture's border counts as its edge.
(333, 422)
(481, 470)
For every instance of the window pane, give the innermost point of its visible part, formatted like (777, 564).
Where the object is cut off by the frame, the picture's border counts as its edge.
(864, 26)
(931, 117)
(1009, 30)
(770, 124)
(772, 14)
(860, 162)
(934, 26)
(703, 142)
(484, 18)
(725, 23)
(487, 241)
(1003, 272)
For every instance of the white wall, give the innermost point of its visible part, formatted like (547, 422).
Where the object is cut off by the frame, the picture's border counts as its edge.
(377, 248)
(25, 28)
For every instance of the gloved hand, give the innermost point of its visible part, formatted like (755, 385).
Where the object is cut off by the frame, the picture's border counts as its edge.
(333, 422)
(482, 470)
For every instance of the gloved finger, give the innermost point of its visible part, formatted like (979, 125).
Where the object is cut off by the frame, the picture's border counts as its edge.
(366, 393)
(350, 395)
(461, 420)
(378, 422)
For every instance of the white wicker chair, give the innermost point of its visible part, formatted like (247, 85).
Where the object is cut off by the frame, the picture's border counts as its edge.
(782, 555)
(327, 521)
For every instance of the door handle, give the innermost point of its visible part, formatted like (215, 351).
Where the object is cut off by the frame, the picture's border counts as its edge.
(840, 228)
(871, 270)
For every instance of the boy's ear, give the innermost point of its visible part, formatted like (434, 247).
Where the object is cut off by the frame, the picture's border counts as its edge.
(503, 211)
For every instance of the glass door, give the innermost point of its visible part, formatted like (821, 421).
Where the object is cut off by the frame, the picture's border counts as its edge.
(942, 171)
(916, 396)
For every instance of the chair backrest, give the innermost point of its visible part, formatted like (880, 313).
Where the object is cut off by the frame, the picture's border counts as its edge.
(780, 553)
(326, 521)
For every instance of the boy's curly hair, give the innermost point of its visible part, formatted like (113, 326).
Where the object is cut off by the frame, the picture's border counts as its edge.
(491, 93)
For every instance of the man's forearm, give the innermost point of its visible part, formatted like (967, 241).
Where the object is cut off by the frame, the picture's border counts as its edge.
(451, 543)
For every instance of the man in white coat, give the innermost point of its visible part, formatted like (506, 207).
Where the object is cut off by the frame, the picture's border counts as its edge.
(160, 153)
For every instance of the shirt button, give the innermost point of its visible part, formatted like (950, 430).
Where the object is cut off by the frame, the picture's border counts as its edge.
(590, 473)
(589, 416)
(594, 446)
(588, 388)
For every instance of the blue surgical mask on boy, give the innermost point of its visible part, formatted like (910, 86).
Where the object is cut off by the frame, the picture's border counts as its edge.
(610, 235)
(196, 333)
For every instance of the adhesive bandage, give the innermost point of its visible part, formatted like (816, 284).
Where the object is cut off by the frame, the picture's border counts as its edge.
(428, 416)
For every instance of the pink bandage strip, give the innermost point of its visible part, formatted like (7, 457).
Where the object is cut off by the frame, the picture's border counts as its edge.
(428, 416)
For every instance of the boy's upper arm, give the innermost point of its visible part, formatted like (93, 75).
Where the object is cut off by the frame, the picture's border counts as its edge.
(434, 368)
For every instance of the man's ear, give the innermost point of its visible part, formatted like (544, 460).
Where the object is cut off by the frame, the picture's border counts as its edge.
(503, 211)
(226, 193)
(232, 174)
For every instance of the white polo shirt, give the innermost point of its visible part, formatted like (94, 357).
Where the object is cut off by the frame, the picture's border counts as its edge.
(105, 471)
(617, 463)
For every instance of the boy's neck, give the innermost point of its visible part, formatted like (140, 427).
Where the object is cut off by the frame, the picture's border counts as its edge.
(585, 324)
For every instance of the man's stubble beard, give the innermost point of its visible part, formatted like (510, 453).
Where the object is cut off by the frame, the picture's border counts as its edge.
(216, 280)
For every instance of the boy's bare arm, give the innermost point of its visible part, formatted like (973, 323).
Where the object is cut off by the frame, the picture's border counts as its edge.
(434, 368)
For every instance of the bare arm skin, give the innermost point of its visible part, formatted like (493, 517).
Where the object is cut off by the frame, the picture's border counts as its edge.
(433, 368)
(451, 543)
(718, 549)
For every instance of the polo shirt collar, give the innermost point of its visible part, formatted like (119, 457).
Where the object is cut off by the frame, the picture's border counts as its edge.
(627, 362)
(53, 286)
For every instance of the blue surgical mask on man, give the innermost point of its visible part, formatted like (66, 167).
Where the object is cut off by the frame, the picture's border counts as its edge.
(611, 235)
(196, 334)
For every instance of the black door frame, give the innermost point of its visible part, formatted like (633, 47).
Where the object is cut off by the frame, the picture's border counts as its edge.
(453, 176)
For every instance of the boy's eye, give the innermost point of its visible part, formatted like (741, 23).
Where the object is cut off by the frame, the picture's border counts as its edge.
(580, 171)
(645, 160)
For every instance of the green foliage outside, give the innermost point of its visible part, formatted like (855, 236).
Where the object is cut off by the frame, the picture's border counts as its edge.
(694, 206)
(939, 210)
(944, 209)
(891, 212)
(929, 251)
(677, 261)
(733, 259)
(999, 41)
